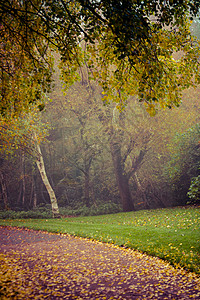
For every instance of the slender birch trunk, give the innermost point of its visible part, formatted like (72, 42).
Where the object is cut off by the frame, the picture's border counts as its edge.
(41, 168)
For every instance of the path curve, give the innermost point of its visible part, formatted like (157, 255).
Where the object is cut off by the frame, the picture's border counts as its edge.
(39, 265)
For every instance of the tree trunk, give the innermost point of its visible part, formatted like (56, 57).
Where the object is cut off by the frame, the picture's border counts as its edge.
(22, 185)
(87, 188)
(88, 162)
(4, 191)
(33, 196)
(86, 173)
(23, 181)
(122, 179)
(20, 194)
(41, 168)
(121, 176)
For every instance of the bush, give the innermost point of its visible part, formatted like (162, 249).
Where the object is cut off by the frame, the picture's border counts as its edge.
(194, 191)
(106, 208)
(183, 164)
(44, 211)
(102, 209)
(31, 214)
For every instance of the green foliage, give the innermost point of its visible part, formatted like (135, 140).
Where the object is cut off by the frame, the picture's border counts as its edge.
(33, 214)
(184, 162)
(17, 133)
(154, 81)
(143, 35)
(171, 234)
(25, 66)
(44, 211)
(94, 210)
(194, 191)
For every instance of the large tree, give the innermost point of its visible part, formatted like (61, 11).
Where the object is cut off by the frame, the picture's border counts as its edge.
(26, 134)
(143, 34)
(125, 139)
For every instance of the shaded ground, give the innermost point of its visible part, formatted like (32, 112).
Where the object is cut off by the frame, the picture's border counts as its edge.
(38, 265)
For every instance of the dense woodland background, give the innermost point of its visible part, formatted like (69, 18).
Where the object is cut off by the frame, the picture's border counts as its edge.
(96, 156)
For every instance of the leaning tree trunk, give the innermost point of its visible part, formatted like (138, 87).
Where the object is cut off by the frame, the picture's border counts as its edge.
(41, 168)
(121, 176)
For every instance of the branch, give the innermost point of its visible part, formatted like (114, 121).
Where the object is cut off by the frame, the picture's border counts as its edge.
(129, 149)
(74, 20)
(138, 162)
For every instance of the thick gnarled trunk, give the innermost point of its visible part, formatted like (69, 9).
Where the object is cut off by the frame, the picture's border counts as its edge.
(121, 176)
(118, 163)
(41, 168)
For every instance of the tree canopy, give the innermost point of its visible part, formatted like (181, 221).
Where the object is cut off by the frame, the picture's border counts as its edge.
(129, 47)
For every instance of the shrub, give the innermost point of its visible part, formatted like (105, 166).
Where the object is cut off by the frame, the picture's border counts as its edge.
(31, 214)
(194, 191)
(44, 211)
(184, 163)
(102, 209)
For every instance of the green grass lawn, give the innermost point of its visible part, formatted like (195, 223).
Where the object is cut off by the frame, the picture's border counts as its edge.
(171, 234)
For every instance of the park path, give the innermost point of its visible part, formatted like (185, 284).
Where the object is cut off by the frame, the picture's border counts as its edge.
(39, 265)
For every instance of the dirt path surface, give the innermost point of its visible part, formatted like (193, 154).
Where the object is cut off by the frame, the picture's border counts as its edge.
(39, 265)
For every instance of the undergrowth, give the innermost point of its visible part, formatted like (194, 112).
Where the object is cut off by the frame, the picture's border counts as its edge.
(44, 211)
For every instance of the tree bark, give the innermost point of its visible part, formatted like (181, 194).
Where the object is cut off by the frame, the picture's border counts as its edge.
(87, 189)
(88, 162)
(22, 185)
(121, 176)
(33, 196)
(23, 181)
(4, 191)
(41, 168)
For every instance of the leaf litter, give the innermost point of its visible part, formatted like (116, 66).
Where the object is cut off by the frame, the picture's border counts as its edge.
(39, 265)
